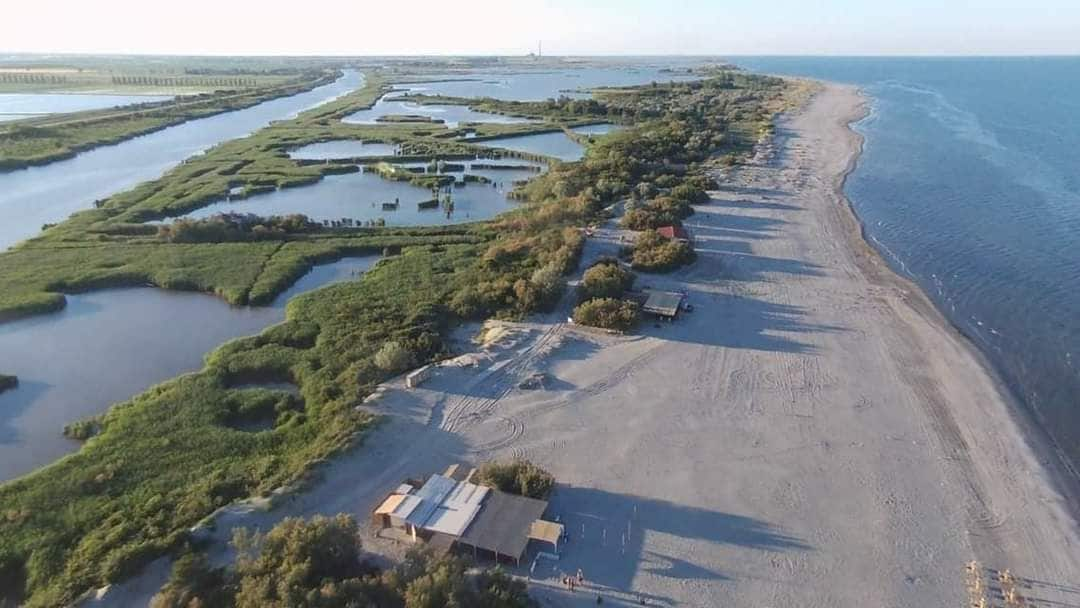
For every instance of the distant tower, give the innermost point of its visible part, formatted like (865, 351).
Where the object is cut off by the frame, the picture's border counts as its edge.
(539, 48)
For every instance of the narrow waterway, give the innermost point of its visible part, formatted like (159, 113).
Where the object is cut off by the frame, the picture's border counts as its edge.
(35, 196)
(107, 346)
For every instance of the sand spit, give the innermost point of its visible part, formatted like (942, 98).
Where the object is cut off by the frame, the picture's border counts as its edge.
(813, 434)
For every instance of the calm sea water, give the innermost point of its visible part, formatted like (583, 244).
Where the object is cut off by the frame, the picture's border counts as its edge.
(970, 184)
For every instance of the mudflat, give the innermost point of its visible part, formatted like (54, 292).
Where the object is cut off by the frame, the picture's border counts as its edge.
(813, 434)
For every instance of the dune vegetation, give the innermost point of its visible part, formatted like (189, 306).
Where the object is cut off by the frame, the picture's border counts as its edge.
(159, 463)
(319, 562)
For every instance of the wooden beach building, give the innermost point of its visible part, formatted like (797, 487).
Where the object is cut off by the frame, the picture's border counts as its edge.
(450, 511)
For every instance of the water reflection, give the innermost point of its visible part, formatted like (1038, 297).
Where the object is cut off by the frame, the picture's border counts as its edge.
(50, 193)
(107, 346)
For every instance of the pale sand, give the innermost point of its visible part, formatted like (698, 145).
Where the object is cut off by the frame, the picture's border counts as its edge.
(813, 434)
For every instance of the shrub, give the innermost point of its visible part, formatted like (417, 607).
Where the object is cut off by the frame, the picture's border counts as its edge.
(517, 476)
(8, 382)
(393, 357)
(294, 558)
(605, 280)
(608, 313)
(193, 583)
(655, 253)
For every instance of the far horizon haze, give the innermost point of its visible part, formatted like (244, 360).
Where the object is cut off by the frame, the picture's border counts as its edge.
(566, 27)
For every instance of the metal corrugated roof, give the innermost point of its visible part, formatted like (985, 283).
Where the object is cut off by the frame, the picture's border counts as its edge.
(662, 302)
(445, 505)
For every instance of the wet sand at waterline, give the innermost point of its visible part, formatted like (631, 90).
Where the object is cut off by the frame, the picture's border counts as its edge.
(812, 434)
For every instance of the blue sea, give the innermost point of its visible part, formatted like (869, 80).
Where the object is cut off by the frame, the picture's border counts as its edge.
(970, 185)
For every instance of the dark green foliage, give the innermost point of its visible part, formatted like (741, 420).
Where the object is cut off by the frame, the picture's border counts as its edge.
(8, 382)
(228, 227)
(654, 252)
(517, 476)
(317, 563)
(605, 280)
(607, 313)
(82, 430)
(288, 565)
(194, 584)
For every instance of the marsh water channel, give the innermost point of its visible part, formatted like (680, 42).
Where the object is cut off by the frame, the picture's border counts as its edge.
(17, 106)
(50, 193)
(107, 346)
(450, 115)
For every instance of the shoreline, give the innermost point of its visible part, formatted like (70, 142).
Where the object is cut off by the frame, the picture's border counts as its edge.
(1063, 473)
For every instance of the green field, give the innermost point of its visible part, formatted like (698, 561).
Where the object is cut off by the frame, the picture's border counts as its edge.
(168, 457)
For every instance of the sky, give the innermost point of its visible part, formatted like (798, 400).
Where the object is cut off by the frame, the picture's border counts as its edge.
(566, 27)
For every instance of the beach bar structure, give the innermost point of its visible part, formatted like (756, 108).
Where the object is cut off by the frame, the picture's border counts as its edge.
(665, 304)
(677, 233)
(449, 511)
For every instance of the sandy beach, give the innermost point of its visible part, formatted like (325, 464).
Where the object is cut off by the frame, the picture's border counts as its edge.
(812, 434)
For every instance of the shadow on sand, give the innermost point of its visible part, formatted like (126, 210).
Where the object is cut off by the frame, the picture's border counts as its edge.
(607, 533)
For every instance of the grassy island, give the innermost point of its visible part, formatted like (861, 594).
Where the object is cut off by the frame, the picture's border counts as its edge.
(165, 459)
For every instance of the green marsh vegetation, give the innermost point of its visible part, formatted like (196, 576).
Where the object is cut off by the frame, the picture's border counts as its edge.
(43, 140)
(8, 382)
(518, 476)
(159, 463)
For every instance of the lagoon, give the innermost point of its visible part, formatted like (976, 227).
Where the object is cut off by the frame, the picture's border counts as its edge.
(360, 197)
(108, 346)
(50, 193)
(450, 115)
(555, 144)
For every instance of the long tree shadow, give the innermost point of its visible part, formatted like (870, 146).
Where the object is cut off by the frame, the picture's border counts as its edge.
(608, 535)
(749, 204)
(735, 321)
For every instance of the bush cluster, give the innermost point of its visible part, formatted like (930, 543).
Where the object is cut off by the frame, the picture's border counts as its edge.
(228, 227)
(608, 313)
(654, 252)
(318, 563)
(517, 476)
(605, 279)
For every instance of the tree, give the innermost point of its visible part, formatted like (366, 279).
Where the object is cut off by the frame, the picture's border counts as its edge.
(287, 566)
(607, 313)
(605, 280)
(393, 357)
(653, 252)
(517, 476)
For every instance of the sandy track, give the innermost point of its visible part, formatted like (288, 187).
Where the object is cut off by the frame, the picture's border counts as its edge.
(812, 435)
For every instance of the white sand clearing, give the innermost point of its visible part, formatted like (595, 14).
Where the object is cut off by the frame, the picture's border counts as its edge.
(813, 434)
